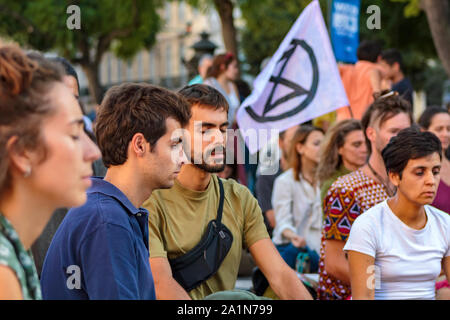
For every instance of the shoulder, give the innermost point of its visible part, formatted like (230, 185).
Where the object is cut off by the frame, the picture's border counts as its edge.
(99, 209)
(372, 216)
(286, 177)
(442, 218)
(351, 181)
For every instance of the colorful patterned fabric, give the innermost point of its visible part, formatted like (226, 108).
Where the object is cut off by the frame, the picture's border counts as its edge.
(348, 197)
(14, 256)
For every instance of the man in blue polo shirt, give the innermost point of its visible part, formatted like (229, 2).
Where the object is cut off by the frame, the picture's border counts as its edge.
(100, 251)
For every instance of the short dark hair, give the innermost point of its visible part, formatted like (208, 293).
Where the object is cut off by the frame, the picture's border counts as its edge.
(369, 50)
(427, 116)
(204, 95)
(409, 143)
(131, 108)
(387, 104)
(392, 56)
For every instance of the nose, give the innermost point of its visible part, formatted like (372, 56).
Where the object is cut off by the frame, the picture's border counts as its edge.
(183, 157)
(430, 179)
(90, 151)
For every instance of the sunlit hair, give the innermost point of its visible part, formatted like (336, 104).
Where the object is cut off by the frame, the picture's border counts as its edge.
(330, 159)
(220, 60)
(387, 105)
(25, 82)
(300, 137)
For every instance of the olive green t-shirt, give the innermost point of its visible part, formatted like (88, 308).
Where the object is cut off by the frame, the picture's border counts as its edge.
(178, 219)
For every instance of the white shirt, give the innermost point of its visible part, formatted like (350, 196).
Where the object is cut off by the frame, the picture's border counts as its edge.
(297, 207)
(407, 261)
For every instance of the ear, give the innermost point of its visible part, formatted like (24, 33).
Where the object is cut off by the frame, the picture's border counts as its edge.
(21, 160)
(299, 148)
(371, 134)
(139, 145)
(394, 178)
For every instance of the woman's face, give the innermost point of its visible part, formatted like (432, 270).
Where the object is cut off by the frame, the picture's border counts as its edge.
(420, 179)
(232, 71)
(440, 126)
(310, 149)
(354, 150)
(64, 175)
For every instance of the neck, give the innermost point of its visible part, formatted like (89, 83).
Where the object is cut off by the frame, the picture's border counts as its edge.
(350, 166)
(28, 224)
(309, 170)
(412, 214)
(128, 180)
(377, 164)
(193, 178)
(223, 81)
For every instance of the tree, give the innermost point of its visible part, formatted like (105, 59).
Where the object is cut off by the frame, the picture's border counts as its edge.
(123, 26)
(225, 10)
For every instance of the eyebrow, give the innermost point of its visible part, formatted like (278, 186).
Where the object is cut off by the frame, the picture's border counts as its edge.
(212, 125)
(422, 167)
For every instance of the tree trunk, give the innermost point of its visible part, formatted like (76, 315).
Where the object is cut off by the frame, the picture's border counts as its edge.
(438, 13)
(95, 89)
(229, 34)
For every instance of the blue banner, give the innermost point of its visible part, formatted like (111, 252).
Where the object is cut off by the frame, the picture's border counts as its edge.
(344, 29)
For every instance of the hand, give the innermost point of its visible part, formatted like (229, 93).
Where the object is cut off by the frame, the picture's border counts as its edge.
(298, 241)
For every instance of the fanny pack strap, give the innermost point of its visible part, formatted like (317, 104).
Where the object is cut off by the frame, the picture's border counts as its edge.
(222, 198)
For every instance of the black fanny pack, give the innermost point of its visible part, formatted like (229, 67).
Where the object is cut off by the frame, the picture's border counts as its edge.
(203, 261)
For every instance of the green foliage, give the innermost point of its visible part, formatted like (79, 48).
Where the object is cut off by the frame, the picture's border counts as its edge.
(42, 25)
(267, 23)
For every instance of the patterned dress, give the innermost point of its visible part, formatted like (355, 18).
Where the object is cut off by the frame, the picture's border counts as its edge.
(348, 197)
(14, 256)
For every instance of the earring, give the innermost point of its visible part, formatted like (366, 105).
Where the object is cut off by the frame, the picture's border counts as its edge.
(27, 172)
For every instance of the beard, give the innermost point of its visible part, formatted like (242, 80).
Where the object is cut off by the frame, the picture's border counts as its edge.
(209, 167)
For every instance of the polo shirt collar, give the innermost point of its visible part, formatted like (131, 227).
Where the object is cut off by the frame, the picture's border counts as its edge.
(99, 185)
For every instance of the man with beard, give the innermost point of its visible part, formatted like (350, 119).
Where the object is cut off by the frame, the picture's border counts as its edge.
(180, 216)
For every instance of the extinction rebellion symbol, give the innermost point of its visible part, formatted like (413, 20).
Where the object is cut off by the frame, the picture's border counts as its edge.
(297, 89)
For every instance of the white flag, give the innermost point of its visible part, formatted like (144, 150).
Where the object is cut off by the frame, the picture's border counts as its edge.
(300, 83)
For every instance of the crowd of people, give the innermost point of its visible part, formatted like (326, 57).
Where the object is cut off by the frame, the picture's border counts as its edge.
(142, 204)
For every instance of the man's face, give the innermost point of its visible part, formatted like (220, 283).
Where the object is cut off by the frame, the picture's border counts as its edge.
(389, 71)
(420, 179)
(388, 129)
(167, 156)
(207, 144)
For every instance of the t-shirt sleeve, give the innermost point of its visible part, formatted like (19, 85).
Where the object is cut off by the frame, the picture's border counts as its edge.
(106, 266)
(155, 241)
(340, 210)
(362, 237)
(254, 227)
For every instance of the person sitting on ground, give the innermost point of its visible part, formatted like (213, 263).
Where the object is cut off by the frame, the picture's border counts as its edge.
(181, 216)
(100, 250)
(396, 249)
(45, 162)
(343, 150)
(353, 194)
(296, 200)
(437, 121)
